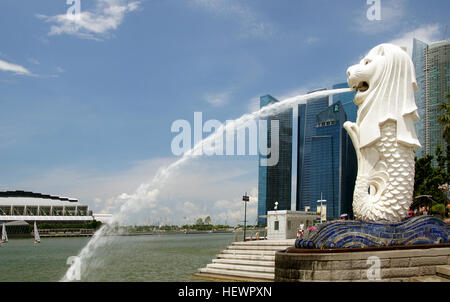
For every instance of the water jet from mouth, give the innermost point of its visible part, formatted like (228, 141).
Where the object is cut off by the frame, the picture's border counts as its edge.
(148, 192)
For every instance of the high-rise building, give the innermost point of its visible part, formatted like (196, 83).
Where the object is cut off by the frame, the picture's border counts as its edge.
(346, 99)
(307, 122)
(432, 65)
(326, 159)
(333, 163)
(327, 165)
(274, 182)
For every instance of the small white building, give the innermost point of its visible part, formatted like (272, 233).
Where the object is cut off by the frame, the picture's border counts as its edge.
(285, 224)
(103, 218)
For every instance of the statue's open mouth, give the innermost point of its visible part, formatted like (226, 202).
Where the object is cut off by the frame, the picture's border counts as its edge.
(362, 86)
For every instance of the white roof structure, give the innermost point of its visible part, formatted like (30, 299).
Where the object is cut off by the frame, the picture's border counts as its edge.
(30, 201)
(45, 218)
(30, 206)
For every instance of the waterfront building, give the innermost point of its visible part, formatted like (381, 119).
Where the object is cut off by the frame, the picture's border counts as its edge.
(346, 99)
(306, 129)
(326, 159)
(432, 66)
(103, 218)
(333, 164)
(274, 182)
(30, 207)
(327, 164)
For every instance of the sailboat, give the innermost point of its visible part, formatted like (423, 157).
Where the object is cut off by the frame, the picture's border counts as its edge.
(4, 235)
(37, 239)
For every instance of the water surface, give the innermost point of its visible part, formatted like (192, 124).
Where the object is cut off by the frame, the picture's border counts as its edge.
(125, 258)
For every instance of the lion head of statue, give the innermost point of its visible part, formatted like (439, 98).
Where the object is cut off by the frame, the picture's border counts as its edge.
(385, 82)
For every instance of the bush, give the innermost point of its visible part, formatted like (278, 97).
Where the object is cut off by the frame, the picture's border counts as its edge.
(438, 209)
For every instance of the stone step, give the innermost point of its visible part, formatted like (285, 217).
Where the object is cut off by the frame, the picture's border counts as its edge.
(249, 252)
(290, 242)
(215, 277)
(429, 279)
(245, 262)
(246, 268)
(258, 248)
(443, 271)
(247, 257)
(241, 274)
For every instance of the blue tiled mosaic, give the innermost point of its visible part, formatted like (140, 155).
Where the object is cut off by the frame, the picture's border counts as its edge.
(357, 234)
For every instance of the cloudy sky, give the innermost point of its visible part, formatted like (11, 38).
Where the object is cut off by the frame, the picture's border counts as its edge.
(88, 100)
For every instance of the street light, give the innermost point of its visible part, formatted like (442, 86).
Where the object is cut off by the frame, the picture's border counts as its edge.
(245, 199)
(321, 200)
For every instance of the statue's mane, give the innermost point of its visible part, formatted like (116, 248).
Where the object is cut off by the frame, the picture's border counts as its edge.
(391, 98)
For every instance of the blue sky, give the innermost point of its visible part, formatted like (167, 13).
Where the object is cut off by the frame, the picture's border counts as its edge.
(86, 109)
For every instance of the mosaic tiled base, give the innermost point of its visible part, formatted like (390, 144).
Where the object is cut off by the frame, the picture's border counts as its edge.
(357, 234)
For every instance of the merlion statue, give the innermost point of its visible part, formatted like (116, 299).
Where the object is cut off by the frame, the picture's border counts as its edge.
(384, 136)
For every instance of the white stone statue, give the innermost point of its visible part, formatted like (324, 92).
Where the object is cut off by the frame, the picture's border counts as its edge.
(384, 136)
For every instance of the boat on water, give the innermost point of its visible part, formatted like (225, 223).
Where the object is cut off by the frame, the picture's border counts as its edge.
(4, 234)
(37, 239)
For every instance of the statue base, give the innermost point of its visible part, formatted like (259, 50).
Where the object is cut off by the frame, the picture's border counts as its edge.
(356, 234)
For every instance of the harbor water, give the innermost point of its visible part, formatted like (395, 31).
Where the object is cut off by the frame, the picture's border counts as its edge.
(151, 258)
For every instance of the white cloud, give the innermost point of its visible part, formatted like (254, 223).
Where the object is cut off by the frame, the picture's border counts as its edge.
(250, 22)
(33, 61)
(325, 82)
(426, 33)
(392, 15)
(253, 104)
(312, 40)
(218, 99)
(194, 190)
(11, 67)
(106, 16)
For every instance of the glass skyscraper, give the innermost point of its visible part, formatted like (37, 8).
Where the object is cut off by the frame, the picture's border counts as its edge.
(327, 165)
(307, 122)
(333, 163)
(274, 182)
(432, 65)
(346, 99)
(326, 159)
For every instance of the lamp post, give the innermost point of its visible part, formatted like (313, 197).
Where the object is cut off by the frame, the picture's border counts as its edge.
(321, 200)
(245, 199)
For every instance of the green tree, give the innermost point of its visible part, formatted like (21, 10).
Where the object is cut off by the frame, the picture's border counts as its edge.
(428, 179)
(199, 221)
(444, 118)
(208, 220)
(438, 209)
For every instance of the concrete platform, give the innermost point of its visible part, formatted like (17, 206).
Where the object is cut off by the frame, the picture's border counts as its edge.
(429, 279)
(443, 271)
(415, 263)
(245, 261)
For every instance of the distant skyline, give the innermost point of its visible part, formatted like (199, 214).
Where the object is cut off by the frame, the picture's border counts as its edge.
(87, 104)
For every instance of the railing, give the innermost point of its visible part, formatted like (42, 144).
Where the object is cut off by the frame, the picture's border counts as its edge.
(70, 232)
(251, 234)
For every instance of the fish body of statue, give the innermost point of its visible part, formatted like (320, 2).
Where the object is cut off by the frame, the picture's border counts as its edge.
(384, 136)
